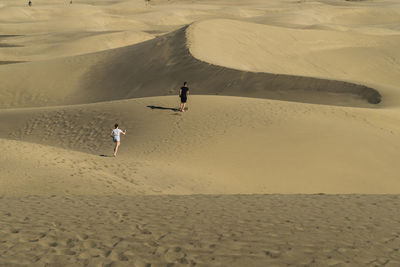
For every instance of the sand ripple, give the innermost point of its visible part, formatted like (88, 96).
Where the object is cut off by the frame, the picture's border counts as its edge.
(201, 230)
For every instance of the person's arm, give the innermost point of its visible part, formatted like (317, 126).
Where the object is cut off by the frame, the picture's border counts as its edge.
(111, 134)
(123, 132)
(180, 92)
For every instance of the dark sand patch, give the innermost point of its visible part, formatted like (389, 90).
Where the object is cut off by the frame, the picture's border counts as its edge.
(10, 45)
(9, 35)
(10, 62)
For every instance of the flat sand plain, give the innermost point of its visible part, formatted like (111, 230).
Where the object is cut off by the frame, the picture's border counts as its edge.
(287, 155)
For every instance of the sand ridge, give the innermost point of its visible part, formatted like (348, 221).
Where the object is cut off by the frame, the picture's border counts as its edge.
(339, 55)
(155, 68)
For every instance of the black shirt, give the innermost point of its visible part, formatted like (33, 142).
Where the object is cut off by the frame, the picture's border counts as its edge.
(184, 91)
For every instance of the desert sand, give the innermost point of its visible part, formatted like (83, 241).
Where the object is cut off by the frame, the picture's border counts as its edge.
(287, 155)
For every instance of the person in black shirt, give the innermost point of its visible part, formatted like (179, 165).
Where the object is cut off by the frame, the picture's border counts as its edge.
(183, 94)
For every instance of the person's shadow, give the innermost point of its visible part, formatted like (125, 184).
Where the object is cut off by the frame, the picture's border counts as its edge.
(163, 108)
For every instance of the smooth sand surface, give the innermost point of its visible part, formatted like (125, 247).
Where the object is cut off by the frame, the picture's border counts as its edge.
(279, 147)
(294, 104)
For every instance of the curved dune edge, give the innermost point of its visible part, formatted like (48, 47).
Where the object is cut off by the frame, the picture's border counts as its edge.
(158, 67)
(319, 53)
(257, 146)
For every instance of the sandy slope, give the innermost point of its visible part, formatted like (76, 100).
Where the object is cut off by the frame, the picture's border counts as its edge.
(64, 201)
(256, 145)
(31, 169)
(362, 58)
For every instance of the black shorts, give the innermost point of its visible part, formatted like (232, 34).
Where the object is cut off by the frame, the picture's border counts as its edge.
(183, 99)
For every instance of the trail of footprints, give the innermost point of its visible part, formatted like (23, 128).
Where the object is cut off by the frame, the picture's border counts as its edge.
(66, 127)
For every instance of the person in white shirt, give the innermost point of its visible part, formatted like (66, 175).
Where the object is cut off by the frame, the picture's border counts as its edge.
(115, 134)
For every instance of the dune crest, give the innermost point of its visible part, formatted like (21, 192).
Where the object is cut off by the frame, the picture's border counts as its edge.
(158, 67)
(361, 58)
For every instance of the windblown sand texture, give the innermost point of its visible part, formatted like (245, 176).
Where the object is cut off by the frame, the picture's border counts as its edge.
(293, 105)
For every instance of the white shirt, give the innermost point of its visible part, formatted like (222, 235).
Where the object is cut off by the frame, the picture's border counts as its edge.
(116, 132)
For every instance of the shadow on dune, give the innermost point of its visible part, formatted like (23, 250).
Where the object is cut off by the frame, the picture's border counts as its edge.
(10, 62)
(9, 35)
(9, 45)
(157, 68)
(163, 108)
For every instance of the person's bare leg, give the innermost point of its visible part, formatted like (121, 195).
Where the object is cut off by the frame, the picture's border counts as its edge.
(116, 148)
(183, 107)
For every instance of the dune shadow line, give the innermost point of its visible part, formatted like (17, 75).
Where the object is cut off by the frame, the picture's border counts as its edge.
(158, 67)
(162, 108)
(10, 62)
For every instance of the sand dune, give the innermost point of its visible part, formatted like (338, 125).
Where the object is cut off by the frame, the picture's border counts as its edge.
(32, 169)
(188, 188)
(69, 43)
(158, 67)
(361, 58)
(348, 147)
